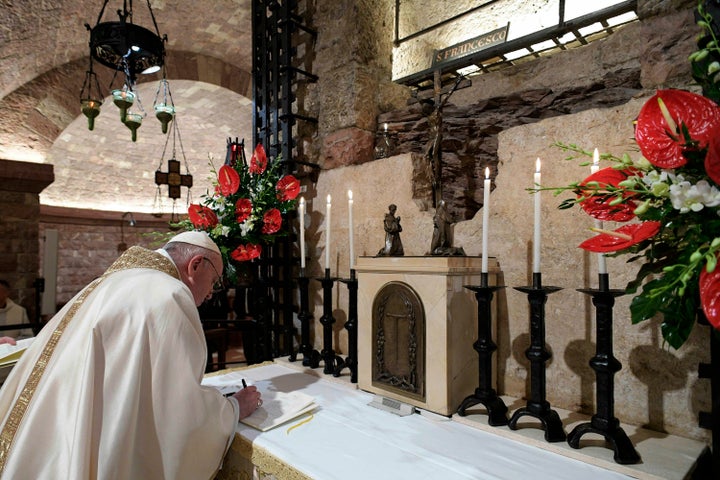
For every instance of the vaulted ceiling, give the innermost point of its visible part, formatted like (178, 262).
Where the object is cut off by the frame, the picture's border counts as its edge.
(43, 60)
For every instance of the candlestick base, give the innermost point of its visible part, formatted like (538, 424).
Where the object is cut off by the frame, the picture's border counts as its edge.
(538, 355)
(311, 358)
(495, 406)
(485, 346)
(625, 453)
(549, 419)
(605, 365)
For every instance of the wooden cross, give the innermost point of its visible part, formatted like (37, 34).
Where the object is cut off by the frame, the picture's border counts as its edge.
(173, 179)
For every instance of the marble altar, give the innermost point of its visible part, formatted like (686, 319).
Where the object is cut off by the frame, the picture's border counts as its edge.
(450, 324)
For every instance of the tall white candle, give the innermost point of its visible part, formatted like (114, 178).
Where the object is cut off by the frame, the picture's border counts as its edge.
(350, 229)
(536, 233)
(486, 218)
(602, 266)
(327, 233)
(302, 232)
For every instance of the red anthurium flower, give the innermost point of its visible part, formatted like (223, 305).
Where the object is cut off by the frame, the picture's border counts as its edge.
(712, 159)
(597, 201)
(247, 252)
(710, 295)
(288, 188)
(202, 217)
(621, 238)
(258, 161)
(243, 208)
(272, 220)
(228, 180)
(663, 144)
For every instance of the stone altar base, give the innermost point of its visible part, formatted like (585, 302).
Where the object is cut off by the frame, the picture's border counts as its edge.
(663, 456)
(447, 369)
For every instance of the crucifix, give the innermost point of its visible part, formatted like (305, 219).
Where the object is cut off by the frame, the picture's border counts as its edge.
(432, 108)
(442, 221)
(173, 179)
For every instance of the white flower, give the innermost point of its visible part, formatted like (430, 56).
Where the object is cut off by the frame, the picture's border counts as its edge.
(710, 193)
(657, 181)
(688, 197)
(246, 226)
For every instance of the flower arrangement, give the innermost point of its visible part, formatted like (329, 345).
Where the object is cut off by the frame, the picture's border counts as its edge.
(668, 200)
(246, 208)
(669, 204)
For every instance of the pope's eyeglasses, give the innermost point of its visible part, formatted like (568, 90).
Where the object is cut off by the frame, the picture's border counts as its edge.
(217, 284)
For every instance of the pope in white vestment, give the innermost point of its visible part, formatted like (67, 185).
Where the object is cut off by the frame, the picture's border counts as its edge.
(110, 388)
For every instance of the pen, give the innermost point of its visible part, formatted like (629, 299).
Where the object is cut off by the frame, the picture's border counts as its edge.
(233, 393)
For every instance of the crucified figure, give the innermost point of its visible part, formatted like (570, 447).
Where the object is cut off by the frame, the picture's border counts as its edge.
(432, 109)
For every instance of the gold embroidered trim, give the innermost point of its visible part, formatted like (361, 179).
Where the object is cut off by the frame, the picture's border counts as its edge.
(23, 401)
(134, 257)
(138, 257)
(266, 463)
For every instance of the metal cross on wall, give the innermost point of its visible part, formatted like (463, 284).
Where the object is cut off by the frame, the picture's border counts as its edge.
(173, 179)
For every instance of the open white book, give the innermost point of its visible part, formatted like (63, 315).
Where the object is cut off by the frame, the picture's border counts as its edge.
(10, 354)
(279, 408)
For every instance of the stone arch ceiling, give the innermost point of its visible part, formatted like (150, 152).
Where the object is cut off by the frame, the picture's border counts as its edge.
(105, 170)
(43, 58)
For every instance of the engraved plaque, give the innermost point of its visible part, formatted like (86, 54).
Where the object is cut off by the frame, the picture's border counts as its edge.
(398, 332)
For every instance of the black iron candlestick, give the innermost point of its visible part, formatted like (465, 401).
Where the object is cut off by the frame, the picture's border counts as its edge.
(711, 419)
(485, 394)
(538, 355)
(311, 357)
(327, 320)
(605, 365)
(351, 326)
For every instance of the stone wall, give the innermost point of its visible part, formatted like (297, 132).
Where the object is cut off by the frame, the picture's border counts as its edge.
(507, 119)
(353, 62)
(603, 74)
(20, 187)
(89, 242)
(470, 133)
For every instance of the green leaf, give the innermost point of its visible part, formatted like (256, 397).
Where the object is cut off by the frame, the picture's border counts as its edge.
(678, 321)
(644, 307)
(645, 270)
(565, 204)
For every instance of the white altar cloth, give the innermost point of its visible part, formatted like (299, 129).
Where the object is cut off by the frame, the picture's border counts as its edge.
(347, 439)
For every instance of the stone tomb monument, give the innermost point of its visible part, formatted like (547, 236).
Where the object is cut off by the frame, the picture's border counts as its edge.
(416, 328)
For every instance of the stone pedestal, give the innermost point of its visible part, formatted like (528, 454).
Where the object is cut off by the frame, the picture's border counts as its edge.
(449, 312)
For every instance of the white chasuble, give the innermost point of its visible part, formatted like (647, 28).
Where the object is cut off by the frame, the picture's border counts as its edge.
(110, 389)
